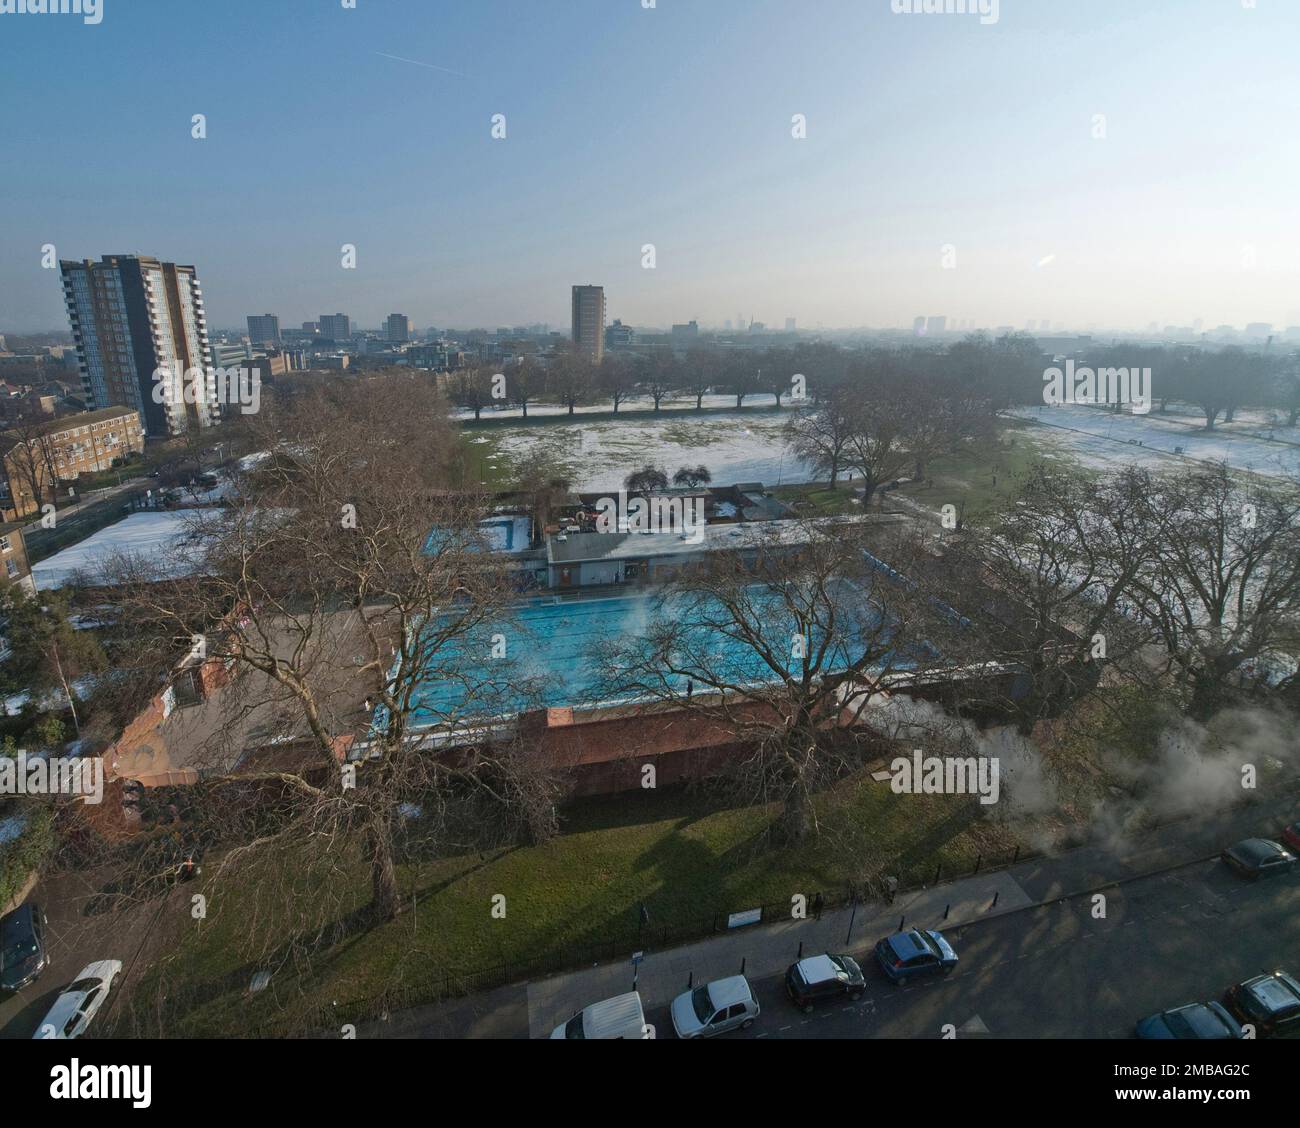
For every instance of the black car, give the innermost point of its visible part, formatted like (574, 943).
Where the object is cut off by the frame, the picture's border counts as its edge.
(1258, 857)
(820, 979)
(1269, 1003)
(1195, 1021)
(22, 947)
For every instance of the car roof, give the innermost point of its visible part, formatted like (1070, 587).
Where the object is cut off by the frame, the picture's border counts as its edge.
(818, 969)
(616, 1013)
(1276, 992)
(910, 943)
(728, 992)
(1204, 1018)
(1257, 848)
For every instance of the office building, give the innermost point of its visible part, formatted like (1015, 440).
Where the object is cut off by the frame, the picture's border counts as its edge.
(335, 326)
(264, 330)
(589, 321)
(398, 329)
(134, 318)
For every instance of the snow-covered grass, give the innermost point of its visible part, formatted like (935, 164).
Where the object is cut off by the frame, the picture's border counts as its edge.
(736, 446)
(1101, 439)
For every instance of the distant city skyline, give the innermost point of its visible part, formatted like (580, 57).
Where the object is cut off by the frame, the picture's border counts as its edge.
(833, 163)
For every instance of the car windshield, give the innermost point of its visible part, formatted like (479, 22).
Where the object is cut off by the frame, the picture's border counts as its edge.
(15, 951)
(930, 945)
(701, 1004)
(83, 985)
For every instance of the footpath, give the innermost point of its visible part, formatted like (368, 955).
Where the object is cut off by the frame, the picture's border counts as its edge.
(532, 1010)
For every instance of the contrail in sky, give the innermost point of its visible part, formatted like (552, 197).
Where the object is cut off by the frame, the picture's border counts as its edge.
(417, 63)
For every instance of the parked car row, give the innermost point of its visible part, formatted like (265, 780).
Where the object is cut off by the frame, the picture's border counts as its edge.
(730, 1004)
(1268, 1004)
(23, 957)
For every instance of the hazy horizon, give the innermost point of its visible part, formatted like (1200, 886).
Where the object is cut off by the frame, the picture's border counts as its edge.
(668, 126)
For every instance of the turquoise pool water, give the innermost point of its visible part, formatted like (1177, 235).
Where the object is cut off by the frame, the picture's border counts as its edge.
(553, 653)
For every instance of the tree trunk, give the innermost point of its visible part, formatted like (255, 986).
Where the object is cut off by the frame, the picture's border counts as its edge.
(383, 874)
(795, 822)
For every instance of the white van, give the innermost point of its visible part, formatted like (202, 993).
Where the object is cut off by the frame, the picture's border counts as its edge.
(620, 1017)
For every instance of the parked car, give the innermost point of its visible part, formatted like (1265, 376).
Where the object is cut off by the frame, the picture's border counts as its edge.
(72, 1011)
(619, 1017)
(906, 955)
(1201, 1021)
(820, 979)
(1291, 838)
(715, 1008)
(1269, 1003)
(22, 947)
(1258, 857)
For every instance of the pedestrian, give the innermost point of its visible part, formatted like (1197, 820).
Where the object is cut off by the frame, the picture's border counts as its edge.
(817, 906)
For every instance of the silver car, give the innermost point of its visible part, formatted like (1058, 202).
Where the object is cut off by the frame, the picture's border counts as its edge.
(72, 1011)
(715, 1008)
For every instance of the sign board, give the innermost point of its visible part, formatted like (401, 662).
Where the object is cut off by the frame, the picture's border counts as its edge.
(637, 957)
(741, 920)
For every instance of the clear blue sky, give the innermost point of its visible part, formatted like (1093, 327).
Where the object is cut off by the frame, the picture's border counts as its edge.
(669, 126)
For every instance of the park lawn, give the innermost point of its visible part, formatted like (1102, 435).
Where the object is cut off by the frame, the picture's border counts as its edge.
(667, 850)
(979, 479)
(818, 499)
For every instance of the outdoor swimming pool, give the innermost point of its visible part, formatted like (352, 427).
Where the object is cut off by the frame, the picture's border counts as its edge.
(553, 651)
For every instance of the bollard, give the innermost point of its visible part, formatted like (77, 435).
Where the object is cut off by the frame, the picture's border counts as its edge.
(690, 982)
(945, 911)
(742, 964)
(995, 899)
(1016, 857)
(979, 861)
(800, 955)
(937, 871)
(900, 922)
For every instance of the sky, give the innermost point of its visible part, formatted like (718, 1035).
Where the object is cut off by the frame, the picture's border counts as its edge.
(950, 166)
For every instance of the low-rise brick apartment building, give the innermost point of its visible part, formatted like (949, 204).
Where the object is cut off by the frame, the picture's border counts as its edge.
(36, 456)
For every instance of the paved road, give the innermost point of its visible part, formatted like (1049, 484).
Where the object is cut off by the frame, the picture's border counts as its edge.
(1055, 972)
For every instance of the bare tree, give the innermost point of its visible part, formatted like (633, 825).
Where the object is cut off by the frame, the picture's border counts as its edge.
(779, 648)
(1224, 592)
(819, 435)
(646, 480)
(471, 389)
(343, 569)
(1046, 585)
(616, 379)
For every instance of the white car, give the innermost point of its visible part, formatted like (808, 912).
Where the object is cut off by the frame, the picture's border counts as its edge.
(72, 1011)
(725, 1004)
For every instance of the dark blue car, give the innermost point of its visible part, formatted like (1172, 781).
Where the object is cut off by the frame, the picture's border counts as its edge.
(1198, 1021)
(907, 955)
(22, 947)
